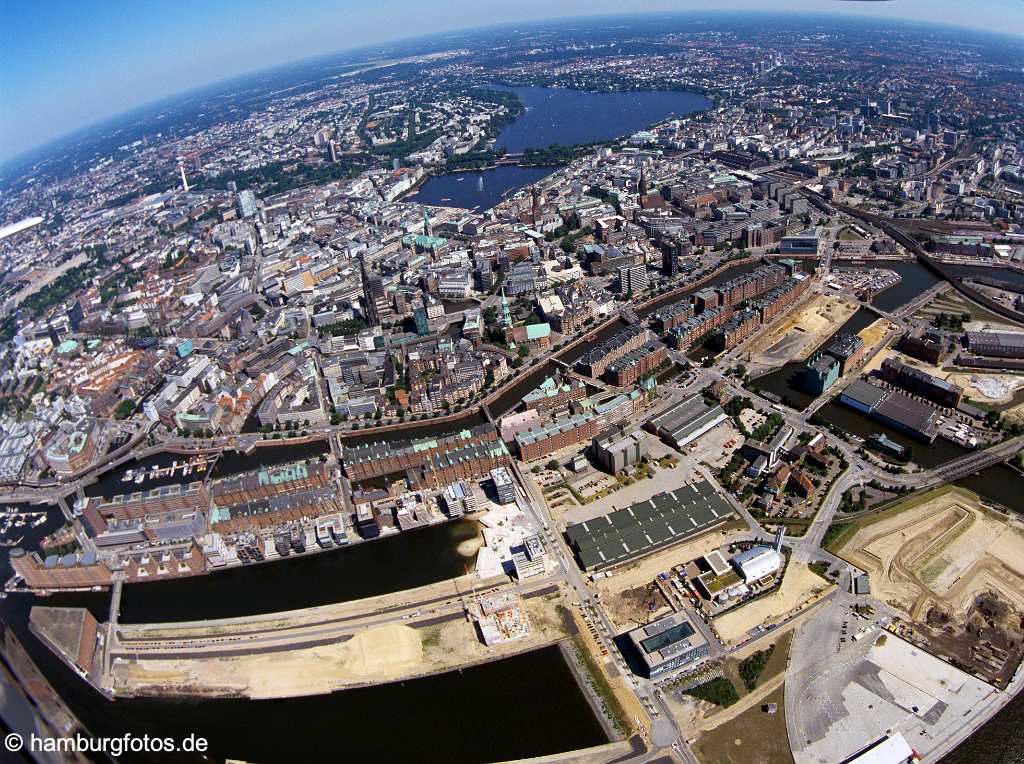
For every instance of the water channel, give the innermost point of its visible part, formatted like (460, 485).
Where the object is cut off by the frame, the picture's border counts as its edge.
(499, 710)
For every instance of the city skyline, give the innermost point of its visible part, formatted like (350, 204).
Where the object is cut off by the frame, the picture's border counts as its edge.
(63, 68)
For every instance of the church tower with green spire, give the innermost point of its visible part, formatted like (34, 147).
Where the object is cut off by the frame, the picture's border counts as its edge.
(506, 314)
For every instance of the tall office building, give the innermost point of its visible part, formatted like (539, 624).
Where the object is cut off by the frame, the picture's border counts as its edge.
(247, 203)
(503, 485)
(669, 261)
(375, 298)
(632, 278)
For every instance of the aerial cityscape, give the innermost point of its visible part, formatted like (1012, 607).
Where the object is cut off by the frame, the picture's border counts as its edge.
(617, 388)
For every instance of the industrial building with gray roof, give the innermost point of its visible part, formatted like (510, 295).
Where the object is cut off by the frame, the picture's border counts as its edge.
(647, 526)
(686, 420)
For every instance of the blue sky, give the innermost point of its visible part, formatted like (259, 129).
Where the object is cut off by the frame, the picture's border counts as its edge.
(65, 64)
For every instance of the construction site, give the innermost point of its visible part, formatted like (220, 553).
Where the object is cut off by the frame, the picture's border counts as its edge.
(629, 595)
(802, 331)
(447, 626)
(955, 569)
(800, 588)
(981, 387)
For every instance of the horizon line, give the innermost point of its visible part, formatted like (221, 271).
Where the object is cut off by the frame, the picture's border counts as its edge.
(94, 125)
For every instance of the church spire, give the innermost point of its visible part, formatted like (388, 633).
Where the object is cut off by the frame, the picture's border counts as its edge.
(506, 314)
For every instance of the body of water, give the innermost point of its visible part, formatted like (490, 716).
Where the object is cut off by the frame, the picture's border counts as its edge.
(518, 696)
(567, 117)
(915, 280)
(787, 382)
(555, 116)
(233, 462)
(411, 430)
(476, 189)
(112, 483)
(927, 456)
(411, 559)
(1000, 483)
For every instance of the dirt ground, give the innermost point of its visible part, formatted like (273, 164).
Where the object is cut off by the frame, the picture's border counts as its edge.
(874, 333)
(799, 334)
(800, 586)
(988, 388)
(980, 386)
(753, 736)
(373, 655)
(633, 607)
(454, 587)
(1015, 414)
(941, 549)
(379, 653)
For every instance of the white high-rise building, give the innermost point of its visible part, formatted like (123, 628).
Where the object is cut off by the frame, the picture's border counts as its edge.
(247, 203)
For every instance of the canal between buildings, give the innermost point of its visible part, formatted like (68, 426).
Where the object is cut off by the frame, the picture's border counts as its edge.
(787, 382)
(113, 482)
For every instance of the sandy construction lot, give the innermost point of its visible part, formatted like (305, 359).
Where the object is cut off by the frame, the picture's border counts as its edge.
(988, 388)
(370, 656)
(981, 386)
(941, 549)
(798, 335)
(800, 587)
(874, 333)
(376, 654)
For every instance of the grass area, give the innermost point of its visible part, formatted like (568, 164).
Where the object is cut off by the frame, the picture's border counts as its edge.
(795, 526)
(848, 234)
(599, 683)
(821, 568)
(432, 639)
(752, 666)
(779, 659)
(753, 736)
(836, 535)
(718, 691)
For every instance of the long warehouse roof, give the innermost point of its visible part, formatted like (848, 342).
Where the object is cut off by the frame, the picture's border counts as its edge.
(646, 526)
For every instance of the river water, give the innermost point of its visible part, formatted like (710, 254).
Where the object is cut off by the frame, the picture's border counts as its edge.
(110, 483)
(411, 559)
(787, 382)
(476, 189)
(499, 710)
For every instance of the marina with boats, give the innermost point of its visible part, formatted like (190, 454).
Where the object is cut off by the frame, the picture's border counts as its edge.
(194, 466)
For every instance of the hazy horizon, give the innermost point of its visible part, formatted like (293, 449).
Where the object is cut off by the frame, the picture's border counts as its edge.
(42, 114)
